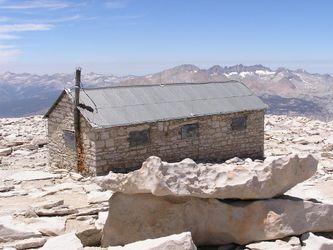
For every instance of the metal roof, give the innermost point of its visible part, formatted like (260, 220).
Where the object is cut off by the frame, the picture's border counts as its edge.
(125, 105)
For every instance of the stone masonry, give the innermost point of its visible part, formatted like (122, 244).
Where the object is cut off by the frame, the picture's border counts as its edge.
(109, 149)
(216, 141)
(60, 120)
(61, 153)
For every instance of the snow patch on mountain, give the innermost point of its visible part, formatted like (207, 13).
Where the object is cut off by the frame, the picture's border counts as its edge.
(265, 72)
(245, 74)
(229, 74)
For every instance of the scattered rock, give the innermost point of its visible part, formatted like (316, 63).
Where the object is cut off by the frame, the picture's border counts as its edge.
(32, 176)
(60, 187)
(90, 236)
(56, 212)
(100, 222)
(86, 218)
(21, 153)
(91, 211)
(181, 241)
(11, 230)
(234, 160)
(5, 151)
(13, 193)
(26, 244)
(29, 213)
(48, 204)
(212, 222)
(48, 226)
(6, 188)
(311, 241)
(40, 141)
(30, 147)
(76, 176)
(292, 243)
(224, 181)
(60, 171)
(25, 139)
(301, 140)
(66, 241)
(98, 197)
(91, 187)
(14, 142)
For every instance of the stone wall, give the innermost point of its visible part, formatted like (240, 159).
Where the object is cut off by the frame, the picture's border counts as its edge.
(217, 139)
(88, 137)
(208, 138)
(62, 151)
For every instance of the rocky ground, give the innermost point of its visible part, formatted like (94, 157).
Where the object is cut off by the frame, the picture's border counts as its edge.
(38, 203)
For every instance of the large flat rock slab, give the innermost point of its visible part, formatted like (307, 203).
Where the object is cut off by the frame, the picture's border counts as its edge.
(30, 175)
(30, 243)
(134, 217)
(239, 180)
(314, 190)
(292, 243)
(66, 241)
(181, 241)
(313, 242)
(50, 226)
(11, 230)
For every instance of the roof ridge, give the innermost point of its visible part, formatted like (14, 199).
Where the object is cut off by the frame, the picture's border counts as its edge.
(161, 84)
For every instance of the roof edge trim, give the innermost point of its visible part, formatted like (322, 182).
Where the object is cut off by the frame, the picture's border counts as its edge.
(47, 114)
(96, 127)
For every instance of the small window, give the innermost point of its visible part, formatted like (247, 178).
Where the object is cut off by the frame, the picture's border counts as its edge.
(69, 138)
(238, 123)
(137, 138)
(189, 130)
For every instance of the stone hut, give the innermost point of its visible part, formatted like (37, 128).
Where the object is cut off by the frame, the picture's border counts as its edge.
(119, 127)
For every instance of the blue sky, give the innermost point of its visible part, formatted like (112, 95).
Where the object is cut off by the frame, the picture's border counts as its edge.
(144, 36)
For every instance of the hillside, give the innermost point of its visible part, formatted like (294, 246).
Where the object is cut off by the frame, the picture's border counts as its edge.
(28, 94)
(285, 91)
(293, 92)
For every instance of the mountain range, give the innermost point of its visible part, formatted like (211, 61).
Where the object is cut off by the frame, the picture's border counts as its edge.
(293, 92)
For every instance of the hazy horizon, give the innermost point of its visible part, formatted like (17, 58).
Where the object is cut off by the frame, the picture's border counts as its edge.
(141, 69)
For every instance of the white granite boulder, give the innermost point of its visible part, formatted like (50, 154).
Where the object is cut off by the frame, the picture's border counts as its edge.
(66, 241)
(5, 151)
(102, 217)
(50, 226)
(134, 217)
(24, 244)
(181, 241)
(293, 243)
(311, 241)
(11, 230)
(30, 175)
(250, 180)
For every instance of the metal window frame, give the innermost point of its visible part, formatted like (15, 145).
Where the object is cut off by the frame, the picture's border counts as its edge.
(239, 123)
(187, 134)
(133, 138)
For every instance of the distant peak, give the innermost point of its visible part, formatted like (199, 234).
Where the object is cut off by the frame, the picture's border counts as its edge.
(244, 68)
(186, 67)
(216, 69)
(301, 71)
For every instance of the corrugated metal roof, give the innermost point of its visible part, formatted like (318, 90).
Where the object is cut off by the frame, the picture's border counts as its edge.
(116, 106)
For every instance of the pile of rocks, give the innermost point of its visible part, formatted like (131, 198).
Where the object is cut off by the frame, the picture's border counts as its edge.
(38, 204)
(58, 209)
(235, 202)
